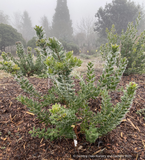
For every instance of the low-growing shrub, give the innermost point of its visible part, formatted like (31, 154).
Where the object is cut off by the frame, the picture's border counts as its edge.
(24, 63)
(92, 52)
(132, 46)
(82, 55)
(70, 47)
(32, 43)
(63, 108)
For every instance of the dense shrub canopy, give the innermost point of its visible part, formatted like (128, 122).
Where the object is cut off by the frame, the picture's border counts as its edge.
(9, 36)
(132, 46)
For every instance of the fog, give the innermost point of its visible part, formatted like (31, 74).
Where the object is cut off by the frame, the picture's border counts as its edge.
(78, 28)
(39, 8)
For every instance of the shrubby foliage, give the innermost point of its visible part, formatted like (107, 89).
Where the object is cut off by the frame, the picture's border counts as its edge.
(63, 107)
(25, 63)
(32, 42)
(70, 47)
(141, 112)
(132, 46)
(85, 56)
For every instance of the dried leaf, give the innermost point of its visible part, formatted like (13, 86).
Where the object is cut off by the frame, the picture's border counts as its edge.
(42, 145)
(80, 147)
(98, 151)
(121, 134)
(3, 138)
(30, 113)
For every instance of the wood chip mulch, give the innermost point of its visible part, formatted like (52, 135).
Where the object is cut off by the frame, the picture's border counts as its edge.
(127, 141)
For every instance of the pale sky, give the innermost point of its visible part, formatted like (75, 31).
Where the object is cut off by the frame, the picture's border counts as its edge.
(38, 8)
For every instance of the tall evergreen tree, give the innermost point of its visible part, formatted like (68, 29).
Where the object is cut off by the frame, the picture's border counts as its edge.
(45, 24)
(4, 18)
(62, 24)
(27, 29)
(17, 21)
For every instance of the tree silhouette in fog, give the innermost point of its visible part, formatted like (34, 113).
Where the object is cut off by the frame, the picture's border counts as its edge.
(26, 27)
(45, 24)
(62, 24)
(119, 13)
(4, 18)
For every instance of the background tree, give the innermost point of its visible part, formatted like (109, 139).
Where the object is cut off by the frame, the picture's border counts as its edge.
(45, 24)
(141, 26)
(119, 13)
(27, 29)
(4, 18)
(9, 36)
(86, 36)
(80, 39)
(17, 21)
(62, 25)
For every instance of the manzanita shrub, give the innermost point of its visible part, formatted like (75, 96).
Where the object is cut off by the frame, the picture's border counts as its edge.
(24, 63)
(63, 108)
(132, 46)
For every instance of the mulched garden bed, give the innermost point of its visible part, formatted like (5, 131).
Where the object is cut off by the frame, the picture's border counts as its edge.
(127, 141)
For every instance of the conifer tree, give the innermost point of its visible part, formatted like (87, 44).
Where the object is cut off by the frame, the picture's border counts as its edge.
(62, 24)
(4, 18)
(27, 29)
(45, 24)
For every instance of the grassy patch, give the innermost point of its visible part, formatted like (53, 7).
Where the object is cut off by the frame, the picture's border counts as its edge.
(3, 74)
(97, 61)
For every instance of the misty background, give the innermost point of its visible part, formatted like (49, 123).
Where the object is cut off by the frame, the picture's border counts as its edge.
(39, 8)
(82, 33)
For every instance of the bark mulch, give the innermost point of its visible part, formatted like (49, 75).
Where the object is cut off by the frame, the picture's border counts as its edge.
(127, 141)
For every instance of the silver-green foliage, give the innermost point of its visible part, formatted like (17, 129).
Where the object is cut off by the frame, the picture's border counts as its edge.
(68, 108)
(141, 112)
(132, 46)
(24, 63)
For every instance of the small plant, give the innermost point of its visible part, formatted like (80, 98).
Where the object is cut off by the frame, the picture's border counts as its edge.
(9, 132)
(141, 112)
(63, 108)
(132, 46)
(24, 63)
(9, 67)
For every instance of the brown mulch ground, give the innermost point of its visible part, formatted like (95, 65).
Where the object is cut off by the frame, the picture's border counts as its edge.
(127, 141)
